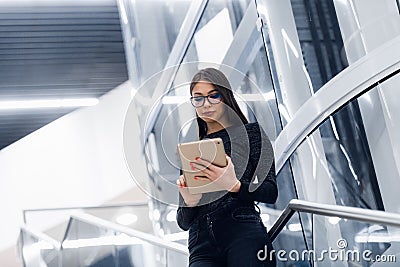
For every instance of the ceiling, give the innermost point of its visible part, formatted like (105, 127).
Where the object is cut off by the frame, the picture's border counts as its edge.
(54, 50)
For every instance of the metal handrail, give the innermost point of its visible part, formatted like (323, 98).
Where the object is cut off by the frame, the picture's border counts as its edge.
(364, 215)
(105, 206)
(93, 220)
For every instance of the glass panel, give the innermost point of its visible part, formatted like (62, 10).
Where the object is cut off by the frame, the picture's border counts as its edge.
(150, 31)
(161, 147)
(251, 80)
(88, 245)
(369, 245)
(139, 253)
(353, 163)
(135, 216)
(320, 40)
(310, 42)
(365, 26)
(176, 259)
(349, 159)
(37, 252)
(290, 238)
(292, 82)
(108, 246)
(216, 29)
(253, 87)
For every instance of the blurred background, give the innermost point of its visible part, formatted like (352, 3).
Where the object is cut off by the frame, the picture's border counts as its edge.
(94, 99)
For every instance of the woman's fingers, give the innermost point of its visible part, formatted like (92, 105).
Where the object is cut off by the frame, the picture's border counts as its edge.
(198, 166)
(178, 182)
(228, 159)
(204, 167)
(181, 181)
(204, 164)
(199, 178)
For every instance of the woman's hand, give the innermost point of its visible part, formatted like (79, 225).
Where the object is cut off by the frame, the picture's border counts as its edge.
(225, 176)
(191, 200)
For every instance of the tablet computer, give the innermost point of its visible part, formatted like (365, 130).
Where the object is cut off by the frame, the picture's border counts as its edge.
(211, 150)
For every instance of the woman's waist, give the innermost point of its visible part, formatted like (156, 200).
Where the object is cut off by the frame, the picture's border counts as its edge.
(219, 210)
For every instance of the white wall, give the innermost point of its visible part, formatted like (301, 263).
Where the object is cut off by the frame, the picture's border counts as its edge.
(76, 160)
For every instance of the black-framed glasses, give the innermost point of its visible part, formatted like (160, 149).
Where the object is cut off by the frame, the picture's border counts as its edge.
(198, 101)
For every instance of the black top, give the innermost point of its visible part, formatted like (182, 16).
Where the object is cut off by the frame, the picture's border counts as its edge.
(252, 155)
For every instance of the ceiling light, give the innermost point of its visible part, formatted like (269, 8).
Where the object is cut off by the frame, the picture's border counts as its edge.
(50, 103)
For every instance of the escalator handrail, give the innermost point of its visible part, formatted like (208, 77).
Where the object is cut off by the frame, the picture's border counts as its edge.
(182, 42)
(360, 77)
(101, 223)
(352, 213)
(105, 206)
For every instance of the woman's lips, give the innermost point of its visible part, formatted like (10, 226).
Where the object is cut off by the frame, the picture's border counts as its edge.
(208, 113)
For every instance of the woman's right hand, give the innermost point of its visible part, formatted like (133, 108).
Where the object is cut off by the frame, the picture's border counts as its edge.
(191, 200)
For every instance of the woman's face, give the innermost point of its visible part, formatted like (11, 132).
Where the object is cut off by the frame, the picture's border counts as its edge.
(208, 112)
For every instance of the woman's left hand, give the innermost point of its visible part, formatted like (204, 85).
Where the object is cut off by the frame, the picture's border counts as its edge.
(225, 176)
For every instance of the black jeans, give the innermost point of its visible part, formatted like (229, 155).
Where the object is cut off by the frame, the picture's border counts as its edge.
(231, 236)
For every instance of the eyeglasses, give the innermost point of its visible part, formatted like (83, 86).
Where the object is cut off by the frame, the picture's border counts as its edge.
(198, 101)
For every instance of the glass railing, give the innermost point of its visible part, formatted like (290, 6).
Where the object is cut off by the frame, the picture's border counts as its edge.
(376, 243)
(133, 215)
(97, 236)
(91, 241)
(38, 249)
(355, 164)
(342, 161)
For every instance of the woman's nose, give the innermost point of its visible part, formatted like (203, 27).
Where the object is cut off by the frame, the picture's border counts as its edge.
(207, 103)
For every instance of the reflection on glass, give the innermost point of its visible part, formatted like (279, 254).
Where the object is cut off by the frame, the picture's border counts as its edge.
(305, 49)
(320, 39)
(150, 31)
(135, 216)
(366, 27)
(254, 91)
(215, 30)
(161, 147)
(86, 244)
(354, 243)
(346, 161)
(36, 252)
(291, 238)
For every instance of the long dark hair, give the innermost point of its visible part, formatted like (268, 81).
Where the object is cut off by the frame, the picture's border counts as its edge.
(222, 85)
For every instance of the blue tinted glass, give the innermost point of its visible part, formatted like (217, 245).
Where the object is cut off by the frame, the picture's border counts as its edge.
(215, 96)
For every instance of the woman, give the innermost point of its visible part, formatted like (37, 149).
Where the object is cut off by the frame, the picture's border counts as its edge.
(225, 229)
